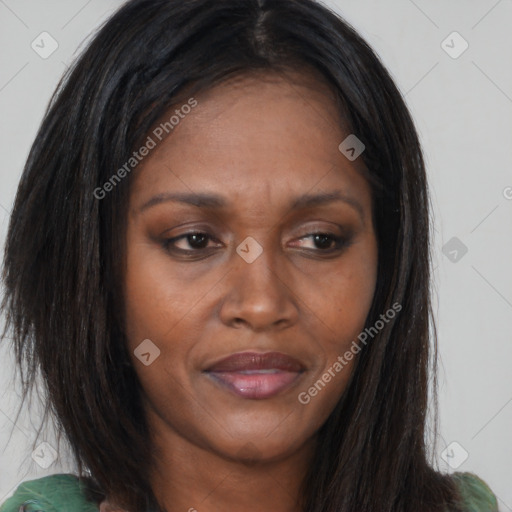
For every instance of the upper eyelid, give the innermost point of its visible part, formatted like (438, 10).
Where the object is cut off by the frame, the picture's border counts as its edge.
(309, 234)
(312, 227)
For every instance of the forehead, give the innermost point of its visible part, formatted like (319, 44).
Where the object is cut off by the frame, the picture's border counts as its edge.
(256, 134)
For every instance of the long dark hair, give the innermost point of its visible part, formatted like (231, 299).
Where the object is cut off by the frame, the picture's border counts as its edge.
(65, 247)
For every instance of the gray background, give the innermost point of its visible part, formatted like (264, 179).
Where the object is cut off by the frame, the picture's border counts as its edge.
(463, 110)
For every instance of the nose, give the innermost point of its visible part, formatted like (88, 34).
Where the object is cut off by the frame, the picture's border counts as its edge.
(259, 294)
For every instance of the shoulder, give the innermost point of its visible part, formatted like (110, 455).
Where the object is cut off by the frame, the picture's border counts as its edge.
(54, 493)
(66, 493)
(476, 494)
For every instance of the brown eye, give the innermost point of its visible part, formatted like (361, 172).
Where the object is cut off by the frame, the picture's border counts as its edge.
(195, 240)
(326, 242)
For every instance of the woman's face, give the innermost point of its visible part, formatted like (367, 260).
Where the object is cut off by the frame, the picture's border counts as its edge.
(244, 271)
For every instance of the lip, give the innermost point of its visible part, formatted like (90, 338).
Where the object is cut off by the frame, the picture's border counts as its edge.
(256, 375)
(247, 361)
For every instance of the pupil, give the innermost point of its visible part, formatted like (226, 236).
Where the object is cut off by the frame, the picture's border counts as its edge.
(194, 238)
(325, 241)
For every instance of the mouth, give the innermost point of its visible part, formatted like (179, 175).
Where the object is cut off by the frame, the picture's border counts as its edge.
(255, 375)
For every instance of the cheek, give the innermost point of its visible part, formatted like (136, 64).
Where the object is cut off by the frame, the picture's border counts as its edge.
(342, 312)
(158, 296)
(344, 296)
(157, 303)
(144, 296)
(353, 298)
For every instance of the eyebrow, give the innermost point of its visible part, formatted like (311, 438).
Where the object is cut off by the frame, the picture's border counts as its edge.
(214, 201)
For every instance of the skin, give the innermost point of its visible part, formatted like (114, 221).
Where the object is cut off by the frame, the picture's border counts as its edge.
(259, 141)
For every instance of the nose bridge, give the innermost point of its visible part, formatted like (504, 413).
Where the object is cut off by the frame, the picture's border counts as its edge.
(256, 270)
(261, 271)
(257, 293)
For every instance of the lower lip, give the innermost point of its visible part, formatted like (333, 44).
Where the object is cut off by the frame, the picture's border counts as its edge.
(255, 385)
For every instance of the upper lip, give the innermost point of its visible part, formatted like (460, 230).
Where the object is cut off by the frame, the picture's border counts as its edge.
(242, 361)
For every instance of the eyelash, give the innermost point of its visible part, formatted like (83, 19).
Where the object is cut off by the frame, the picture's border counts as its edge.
(340, 242)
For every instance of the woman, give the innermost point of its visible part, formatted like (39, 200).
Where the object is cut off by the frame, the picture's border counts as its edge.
(219, 259)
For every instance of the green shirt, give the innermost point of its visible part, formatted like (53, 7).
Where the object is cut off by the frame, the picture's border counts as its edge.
(65, 493)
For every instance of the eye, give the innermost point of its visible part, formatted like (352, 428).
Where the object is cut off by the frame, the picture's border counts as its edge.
(326, 242)
(195, 240)
(197, 243)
